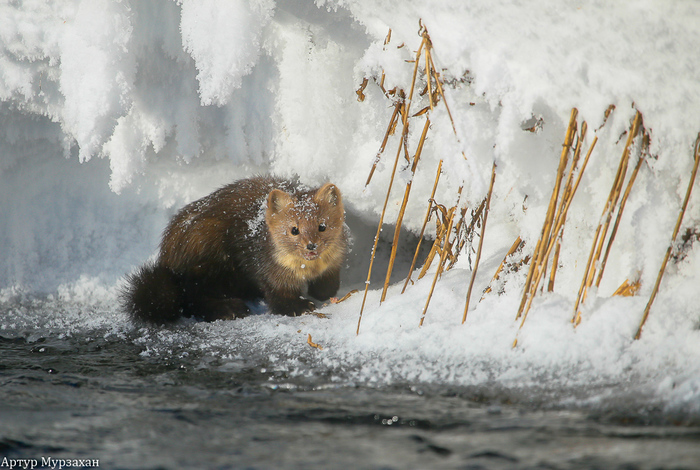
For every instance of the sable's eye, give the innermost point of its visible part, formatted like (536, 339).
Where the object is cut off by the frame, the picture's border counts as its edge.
(295, 231)
(322, 228)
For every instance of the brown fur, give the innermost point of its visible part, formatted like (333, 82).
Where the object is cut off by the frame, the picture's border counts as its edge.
(259, 237)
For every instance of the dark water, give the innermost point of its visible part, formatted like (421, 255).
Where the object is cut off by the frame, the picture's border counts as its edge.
(92, 394)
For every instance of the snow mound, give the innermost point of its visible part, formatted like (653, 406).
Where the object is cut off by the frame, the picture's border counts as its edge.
(115, 113)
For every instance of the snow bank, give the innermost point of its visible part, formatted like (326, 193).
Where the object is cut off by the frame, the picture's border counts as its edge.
(115, 113)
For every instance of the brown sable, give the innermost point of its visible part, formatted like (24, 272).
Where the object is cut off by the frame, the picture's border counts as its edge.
(262, 237)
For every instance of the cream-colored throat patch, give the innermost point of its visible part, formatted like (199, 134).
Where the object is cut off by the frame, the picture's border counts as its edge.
(301, 268)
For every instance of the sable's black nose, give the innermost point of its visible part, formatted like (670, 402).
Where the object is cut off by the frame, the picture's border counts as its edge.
(311, 246)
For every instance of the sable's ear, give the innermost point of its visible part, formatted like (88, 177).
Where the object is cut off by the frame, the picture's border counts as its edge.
(330, 194)
(277, 201)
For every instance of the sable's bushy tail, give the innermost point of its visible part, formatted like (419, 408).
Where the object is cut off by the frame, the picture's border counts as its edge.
(153, 294)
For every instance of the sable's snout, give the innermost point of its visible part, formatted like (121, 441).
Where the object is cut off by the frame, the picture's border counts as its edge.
(310, 251)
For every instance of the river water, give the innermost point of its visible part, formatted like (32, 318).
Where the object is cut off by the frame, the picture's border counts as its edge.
(79, 382)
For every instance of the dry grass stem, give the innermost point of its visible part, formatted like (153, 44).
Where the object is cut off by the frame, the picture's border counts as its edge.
(528, 280)
(569, 193)
(422, 230)
(312, 344)
(360, 91)
(602, 229)
(402, 210)
(376, 238)
(608, 112)
(623, 202)
(628, 289)
(439, 234)
(481, 242)
(565, 201)
(617, 187)
(442, 95)
(517, 245)
(676, 229)
(389, 131)
(428, 72)
(425, 44)
(555, 263)
(446, 224)
(463, 234)
(442, 220)
(443, 256)
(543, 247)
(460, 240)
(345, 297)
(547, 244)
(401, 107)
(413, 83)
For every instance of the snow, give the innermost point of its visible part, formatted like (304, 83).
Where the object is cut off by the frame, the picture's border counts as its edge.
(115, 113)
(206, 27)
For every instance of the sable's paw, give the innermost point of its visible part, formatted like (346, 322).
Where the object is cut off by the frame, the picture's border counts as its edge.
(225, 309)
(292, 307)
(303, 306)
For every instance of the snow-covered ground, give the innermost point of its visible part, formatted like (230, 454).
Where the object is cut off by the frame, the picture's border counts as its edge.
(115, 113)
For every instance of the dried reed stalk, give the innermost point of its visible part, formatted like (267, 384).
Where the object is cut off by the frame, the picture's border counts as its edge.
(439, 234)
(425, 44)
(413, 82)
(312, 344)
(568, 199)
(565, 201)
(569, 196)
(345, 297)
(528, 280)
(402, 210)
(442, 95)
(624, 163)
(558, 229)
(606, 115)
(376, 239)
(555, 264)
(463, 234)
(428, 72)
(460, 239)
(360, 91)
(443, 256)
(538, 262)
(402, 106)
(676, 229)
(404, 109)
(623, 202)
(389, 131)
(422, 230)
(628, 289)
(606, 216)
(517, 245)
(481, 242)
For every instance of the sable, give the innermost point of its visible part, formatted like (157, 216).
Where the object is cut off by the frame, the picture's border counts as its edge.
(261, 237)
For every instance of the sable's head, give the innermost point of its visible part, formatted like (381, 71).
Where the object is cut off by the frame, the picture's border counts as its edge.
(307, 229)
